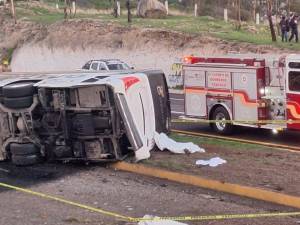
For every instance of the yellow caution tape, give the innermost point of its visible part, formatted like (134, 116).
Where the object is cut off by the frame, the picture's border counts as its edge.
(221, 217)
(194, 120)
(58, 199)
(135, 219)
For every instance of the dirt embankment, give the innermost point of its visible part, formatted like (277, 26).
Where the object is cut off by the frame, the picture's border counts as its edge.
(67, 45)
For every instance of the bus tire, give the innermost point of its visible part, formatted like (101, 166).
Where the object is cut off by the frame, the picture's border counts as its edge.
(23, 149)
(18, 103)
(19, 89)
(26, 160)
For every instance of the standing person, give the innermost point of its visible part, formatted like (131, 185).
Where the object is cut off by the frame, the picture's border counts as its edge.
(5, 66)
(284, 25)
(294, 28)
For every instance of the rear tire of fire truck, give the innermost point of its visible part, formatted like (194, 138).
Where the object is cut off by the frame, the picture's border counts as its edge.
(221, 114)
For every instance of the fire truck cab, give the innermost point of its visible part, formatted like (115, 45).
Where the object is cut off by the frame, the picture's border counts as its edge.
(261, 92)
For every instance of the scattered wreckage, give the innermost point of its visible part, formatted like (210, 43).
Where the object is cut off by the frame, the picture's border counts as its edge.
(99, 116)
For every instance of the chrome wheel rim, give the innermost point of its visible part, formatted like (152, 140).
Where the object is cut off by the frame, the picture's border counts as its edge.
(220, 121)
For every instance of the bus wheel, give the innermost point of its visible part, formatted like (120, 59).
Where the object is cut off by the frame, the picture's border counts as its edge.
(220, 123)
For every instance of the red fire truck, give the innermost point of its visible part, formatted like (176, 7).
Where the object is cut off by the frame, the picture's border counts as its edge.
(251, 91)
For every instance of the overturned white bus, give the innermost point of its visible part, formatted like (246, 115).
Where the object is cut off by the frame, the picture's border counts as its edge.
(82, 115)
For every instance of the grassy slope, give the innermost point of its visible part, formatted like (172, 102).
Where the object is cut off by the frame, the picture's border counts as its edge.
(233, 145)
(207, 143)
(188, 24)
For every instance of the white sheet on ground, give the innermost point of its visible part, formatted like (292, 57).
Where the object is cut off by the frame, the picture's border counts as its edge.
(164, 142)
(213, 162)
(159, 222)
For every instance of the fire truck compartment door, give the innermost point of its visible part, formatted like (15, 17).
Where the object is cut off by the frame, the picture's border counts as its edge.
(195, 101)
(195, 104)
(245, 95)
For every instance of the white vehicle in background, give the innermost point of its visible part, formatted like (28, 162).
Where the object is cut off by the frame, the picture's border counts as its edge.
(89, 116)
(106, 64)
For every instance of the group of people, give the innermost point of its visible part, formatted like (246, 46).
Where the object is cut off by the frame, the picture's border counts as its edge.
(289, 25)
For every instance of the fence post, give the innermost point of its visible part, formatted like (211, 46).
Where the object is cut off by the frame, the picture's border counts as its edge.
(73, 7)
(167, 6)
(257, 19)
(196, 10)
(225, 15)
(118, 8)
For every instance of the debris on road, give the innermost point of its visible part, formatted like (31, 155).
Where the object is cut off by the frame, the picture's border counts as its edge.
(213, 162)
(164, 142)
(158, 222)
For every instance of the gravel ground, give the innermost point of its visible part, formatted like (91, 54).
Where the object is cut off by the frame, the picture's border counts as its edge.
(121, 192)
(250, 165)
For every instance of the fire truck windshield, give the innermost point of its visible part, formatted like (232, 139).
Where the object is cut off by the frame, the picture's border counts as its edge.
(294, 81)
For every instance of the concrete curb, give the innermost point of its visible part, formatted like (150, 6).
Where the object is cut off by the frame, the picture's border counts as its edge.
(244, 191)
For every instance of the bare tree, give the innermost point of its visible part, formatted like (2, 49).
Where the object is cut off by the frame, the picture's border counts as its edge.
(70, 9)
(128, 11)
(269, 13)
(115, 9)
(254, 6)
(199, 6)
(238, 14)
(13, 10)
(27, 4)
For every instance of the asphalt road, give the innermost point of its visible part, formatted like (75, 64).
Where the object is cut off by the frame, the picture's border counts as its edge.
(124, 193)
(285, 137)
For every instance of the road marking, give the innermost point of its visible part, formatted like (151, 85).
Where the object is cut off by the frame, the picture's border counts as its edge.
(138, 219)
(4, 170)
(176, 99)
(176, 112)
(250, 192)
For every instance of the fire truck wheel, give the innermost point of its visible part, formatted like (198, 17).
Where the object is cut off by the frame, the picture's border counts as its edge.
(220, 124)
(20, 89)
(26, 160)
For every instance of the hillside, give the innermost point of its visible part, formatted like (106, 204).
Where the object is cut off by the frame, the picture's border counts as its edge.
(42, 39)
